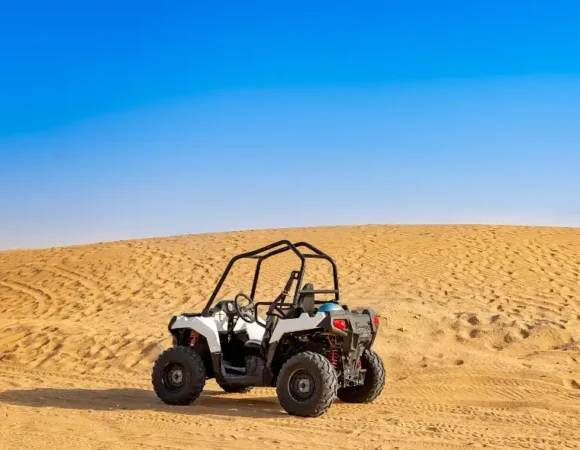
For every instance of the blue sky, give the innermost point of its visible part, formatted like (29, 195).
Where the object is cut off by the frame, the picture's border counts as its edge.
(131, 119)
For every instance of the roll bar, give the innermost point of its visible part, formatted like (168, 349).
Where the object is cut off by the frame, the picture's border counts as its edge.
(273, 249)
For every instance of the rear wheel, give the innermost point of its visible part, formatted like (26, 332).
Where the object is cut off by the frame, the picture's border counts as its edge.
(374, 381)
(178, 376)
(307, 385)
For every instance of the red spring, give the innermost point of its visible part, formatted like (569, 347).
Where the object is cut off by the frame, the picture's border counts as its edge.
(192, 339)
(358, 364)
(333, 358)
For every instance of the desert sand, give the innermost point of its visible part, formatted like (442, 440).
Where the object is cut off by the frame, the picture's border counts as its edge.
(480, 335)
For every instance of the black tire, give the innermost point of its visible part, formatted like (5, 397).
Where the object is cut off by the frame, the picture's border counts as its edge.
(178, 376)
(307, 385)
(235, 389)
(374, 381)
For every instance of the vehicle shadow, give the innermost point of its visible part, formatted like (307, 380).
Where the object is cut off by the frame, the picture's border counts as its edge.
(215, 403)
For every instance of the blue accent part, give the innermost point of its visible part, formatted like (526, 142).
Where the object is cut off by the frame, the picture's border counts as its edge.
(330, 306)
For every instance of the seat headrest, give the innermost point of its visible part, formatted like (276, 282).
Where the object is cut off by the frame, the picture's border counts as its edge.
(306, 300)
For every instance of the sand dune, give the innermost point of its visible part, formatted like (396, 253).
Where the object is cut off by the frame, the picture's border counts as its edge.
(480, 336)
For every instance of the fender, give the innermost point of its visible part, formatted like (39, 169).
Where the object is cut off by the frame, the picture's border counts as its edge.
(205, 326)
(304, 322)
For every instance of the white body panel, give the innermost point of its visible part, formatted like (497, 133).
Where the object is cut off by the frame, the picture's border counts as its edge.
(255, 331)
(304, 322)
(210, 327)
(206, 326)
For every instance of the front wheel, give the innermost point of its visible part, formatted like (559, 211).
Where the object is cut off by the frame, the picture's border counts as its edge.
(307, 385)
(374, 381)
(178, 376)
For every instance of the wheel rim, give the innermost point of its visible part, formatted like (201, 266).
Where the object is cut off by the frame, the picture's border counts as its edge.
(301, 385)
(174, 377)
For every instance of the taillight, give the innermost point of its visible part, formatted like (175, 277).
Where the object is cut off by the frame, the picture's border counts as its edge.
(339, 323)
(376, 321)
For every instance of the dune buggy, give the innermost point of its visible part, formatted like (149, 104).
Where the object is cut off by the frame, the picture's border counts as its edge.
(311, 350)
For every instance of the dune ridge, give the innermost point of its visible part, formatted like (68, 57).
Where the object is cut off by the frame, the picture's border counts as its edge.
(480, 334)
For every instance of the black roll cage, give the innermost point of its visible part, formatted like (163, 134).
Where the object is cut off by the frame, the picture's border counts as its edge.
(275, 249)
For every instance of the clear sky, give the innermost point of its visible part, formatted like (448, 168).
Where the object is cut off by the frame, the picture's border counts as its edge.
(131, 119)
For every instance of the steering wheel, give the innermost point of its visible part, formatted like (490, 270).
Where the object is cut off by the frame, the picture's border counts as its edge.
(245, 308)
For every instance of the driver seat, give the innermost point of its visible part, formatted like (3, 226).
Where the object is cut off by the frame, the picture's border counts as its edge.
(306, 300)
(305, 303)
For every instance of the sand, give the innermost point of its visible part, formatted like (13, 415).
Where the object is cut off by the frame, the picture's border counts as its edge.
(480, 335)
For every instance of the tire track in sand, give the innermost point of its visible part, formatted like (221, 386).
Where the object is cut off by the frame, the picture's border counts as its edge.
(42, 298)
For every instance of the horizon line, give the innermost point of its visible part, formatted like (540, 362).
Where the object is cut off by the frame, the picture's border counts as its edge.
(289, 228)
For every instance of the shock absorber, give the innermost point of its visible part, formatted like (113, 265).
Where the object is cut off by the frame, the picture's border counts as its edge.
(333, 358)
(193, 338)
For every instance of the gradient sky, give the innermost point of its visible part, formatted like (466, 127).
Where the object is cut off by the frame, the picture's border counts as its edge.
(131, 119)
